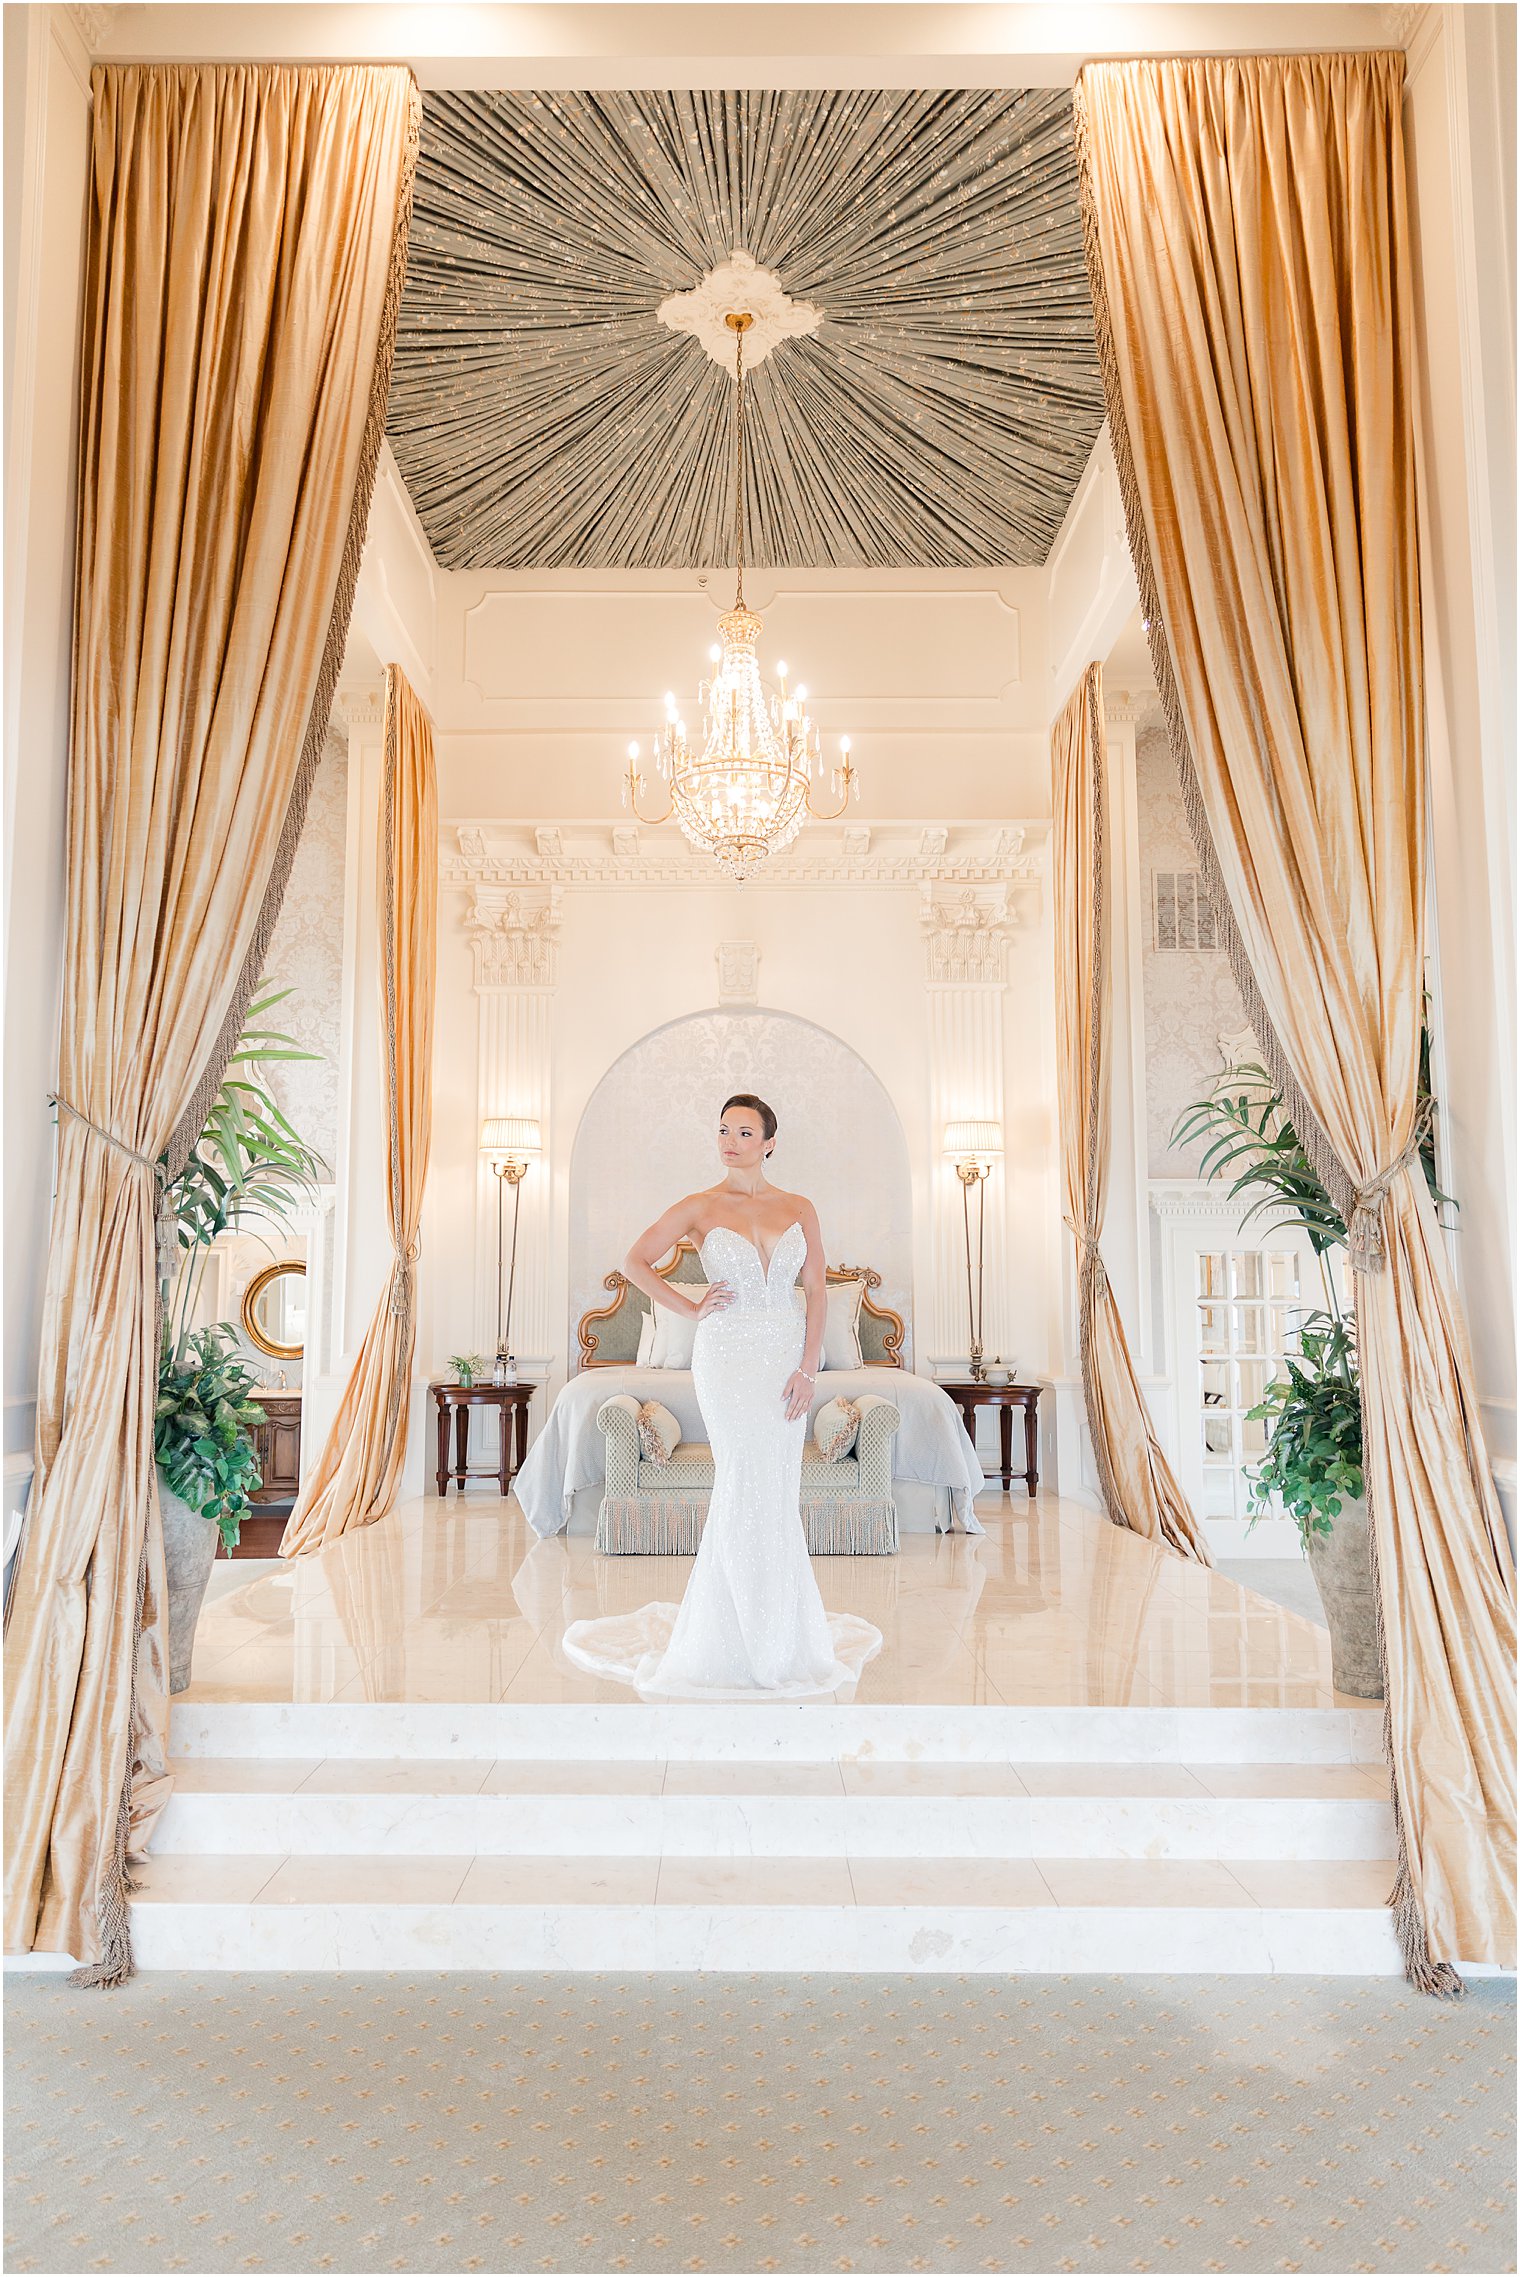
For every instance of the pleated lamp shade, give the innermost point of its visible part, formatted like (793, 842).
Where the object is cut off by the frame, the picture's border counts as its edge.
(969, 1140)
(511, 1135)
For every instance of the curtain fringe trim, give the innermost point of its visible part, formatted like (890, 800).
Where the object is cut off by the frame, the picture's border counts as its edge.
(1422, 1971)
(113, 1914)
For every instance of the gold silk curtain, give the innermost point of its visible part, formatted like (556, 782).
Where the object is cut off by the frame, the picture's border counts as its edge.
(356, 1476)
(1139, 1489)
(1248, 247)
(246, 245)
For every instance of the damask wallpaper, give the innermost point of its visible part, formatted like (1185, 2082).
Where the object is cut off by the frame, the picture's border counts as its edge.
(648, 1136)
(1191, 1000)
(306, 956)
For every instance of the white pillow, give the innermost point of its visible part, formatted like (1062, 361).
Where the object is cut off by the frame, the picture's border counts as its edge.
(834, 1428)
(841, 1327)
(659, 1432)
(674, 1336)
(646, 1339)
(841, 1324)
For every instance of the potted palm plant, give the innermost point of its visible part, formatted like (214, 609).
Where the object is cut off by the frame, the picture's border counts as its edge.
(1313, 1464)
(249, 1166)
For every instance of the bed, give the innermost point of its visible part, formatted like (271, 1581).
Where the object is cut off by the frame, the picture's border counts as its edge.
(936, 1470)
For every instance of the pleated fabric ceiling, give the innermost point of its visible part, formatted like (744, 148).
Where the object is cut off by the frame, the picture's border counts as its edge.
(939, 415)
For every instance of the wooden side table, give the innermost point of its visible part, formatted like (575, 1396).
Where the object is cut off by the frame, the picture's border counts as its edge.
(453, 1403)
(968, 1397)
(277, 1443)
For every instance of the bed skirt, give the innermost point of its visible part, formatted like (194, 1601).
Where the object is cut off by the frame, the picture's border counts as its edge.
(644, 1526)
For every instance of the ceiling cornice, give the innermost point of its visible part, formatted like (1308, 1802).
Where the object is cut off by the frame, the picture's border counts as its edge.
(500, 44)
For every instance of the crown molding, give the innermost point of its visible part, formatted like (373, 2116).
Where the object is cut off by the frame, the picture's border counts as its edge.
(597, 855)
(1199, 1199)
(92, 26)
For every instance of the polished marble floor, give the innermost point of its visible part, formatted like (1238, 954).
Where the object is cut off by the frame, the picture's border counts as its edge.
(458, 1601)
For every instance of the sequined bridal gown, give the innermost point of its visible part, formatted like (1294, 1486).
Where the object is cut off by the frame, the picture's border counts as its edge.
(751, 1620)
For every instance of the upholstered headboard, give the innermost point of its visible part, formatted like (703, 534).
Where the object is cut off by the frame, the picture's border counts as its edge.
(609, 1335)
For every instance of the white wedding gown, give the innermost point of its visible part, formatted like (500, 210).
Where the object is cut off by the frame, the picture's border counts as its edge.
(751, 1620)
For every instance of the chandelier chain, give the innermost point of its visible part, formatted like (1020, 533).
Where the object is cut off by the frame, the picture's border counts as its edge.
(739, 468)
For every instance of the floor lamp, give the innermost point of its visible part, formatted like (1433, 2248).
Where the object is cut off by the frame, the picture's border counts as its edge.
(509, 1142)
(973, 1146)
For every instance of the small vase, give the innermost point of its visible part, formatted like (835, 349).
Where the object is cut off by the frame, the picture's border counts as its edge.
(1341, 1562)
(189, 1554)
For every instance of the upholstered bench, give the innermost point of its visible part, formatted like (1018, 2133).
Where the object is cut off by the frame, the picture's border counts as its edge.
(658, 1509)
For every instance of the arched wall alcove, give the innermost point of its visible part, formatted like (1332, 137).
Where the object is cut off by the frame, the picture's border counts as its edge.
(647, 1136)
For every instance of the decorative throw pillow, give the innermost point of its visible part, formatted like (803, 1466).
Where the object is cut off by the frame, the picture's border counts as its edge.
(646, 1340)
(674, 1335)
(834, 1428)
(841, 1327)
(659, 1432)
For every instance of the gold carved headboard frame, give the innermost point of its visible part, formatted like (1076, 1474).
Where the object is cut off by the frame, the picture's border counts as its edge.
(609, 1334)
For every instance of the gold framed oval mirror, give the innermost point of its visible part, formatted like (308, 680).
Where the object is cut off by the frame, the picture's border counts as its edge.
(274, 1309)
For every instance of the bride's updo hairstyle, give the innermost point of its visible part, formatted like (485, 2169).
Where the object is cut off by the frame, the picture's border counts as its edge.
(757, 1106)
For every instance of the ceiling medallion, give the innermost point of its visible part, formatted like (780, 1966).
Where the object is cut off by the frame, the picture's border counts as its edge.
(739, 282)
(748, 790)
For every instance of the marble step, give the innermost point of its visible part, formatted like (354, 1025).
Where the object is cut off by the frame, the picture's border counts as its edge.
(776, 1731)
(830, 1914)
(416, 1809)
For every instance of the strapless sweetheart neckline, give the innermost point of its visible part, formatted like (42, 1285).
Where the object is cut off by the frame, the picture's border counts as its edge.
(765, 1262)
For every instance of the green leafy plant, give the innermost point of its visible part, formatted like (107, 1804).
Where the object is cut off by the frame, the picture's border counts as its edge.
(466, 1366)
(1248, 1139)
(1313, 1460)
(249, 1167)
(201, 1428)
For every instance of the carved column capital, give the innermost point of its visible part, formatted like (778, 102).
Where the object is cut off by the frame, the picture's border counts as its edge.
(360, 706)
(966, 932)
(514, 933)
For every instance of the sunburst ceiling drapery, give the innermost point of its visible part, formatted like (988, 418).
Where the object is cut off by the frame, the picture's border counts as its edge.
(940, 415)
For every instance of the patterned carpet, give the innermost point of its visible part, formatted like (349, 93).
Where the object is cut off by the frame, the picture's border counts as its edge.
(757, 2123)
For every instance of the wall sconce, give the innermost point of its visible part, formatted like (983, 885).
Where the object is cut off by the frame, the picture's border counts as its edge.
(974, 1147)
(509, 1142)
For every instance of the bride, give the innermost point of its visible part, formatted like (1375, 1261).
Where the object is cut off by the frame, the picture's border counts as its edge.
(751, 1620)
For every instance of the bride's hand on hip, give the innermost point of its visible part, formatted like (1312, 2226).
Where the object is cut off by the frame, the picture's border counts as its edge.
(716, 1297)
(796, 1395)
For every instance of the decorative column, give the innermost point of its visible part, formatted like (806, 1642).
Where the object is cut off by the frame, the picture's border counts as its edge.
(513, 933)
(966, 931)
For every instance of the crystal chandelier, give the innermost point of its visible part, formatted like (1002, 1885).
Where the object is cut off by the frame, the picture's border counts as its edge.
(749, 788)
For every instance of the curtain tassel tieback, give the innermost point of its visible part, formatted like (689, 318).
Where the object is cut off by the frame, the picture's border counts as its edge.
(401, 1278)
(1089, 1260)
(1364, 1221)
(166, 1227)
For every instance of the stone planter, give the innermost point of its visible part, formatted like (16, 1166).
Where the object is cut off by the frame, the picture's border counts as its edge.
(1341, 1562)
(189, 1553)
